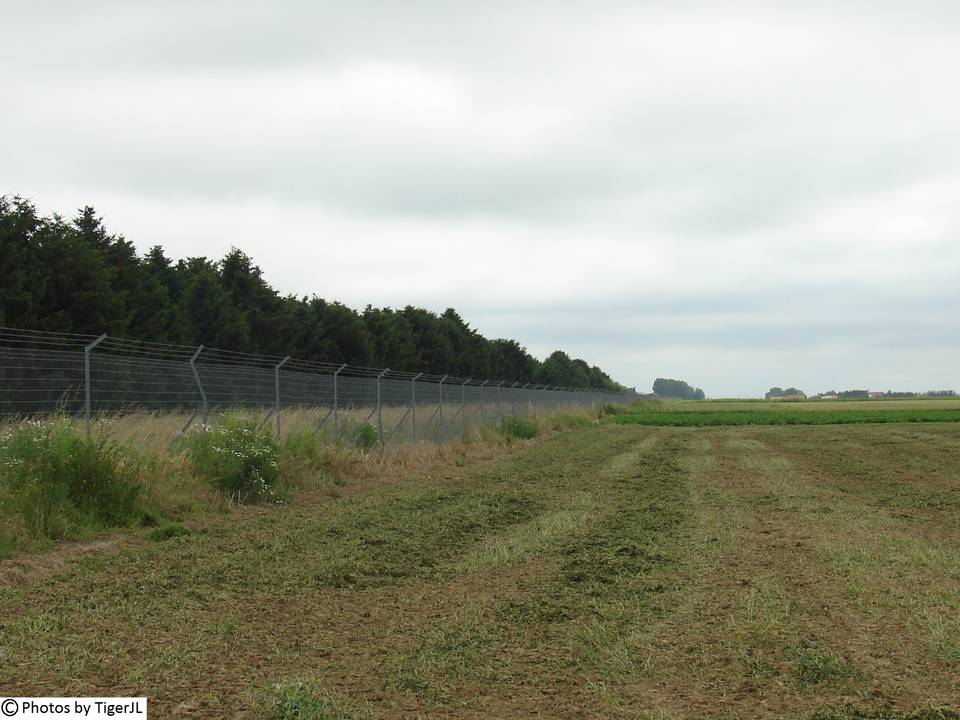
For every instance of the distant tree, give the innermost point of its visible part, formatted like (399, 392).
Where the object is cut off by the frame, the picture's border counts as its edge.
(775, 393)
(511, 360)
(22, 274)
(207, 309)
(677, 389)
(257, 302)
(853, 394)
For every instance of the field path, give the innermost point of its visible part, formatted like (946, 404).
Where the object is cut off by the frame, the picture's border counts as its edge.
(617, 571)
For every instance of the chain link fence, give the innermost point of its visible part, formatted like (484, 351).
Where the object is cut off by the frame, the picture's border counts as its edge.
(91, 377)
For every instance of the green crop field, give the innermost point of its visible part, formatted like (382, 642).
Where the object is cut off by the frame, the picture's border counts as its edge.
(606, 571)
(811, 412)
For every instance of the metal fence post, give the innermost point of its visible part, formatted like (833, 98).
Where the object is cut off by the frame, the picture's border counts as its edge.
(276, 380)
(513, 399)
(440, 411)
(413, 402)
(482, 421)
(463, 404)
(203, 393)
(380, 408)
(336, 415)
(87, 395)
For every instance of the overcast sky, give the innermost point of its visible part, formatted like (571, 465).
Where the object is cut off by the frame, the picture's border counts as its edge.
(739, 194)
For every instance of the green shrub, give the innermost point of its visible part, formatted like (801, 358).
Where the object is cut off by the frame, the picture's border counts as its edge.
(517, 427)
(58, 481)
(238, 458)
(367, 436)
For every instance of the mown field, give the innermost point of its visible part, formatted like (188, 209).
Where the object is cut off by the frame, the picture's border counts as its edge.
(615, 571)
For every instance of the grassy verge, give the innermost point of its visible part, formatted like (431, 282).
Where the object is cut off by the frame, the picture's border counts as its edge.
(58, 484)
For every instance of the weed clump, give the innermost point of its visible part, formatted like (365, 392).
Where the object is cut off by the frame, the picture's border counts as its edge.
(302, 700)
(57, 483)
(238, 458)
(816, 666)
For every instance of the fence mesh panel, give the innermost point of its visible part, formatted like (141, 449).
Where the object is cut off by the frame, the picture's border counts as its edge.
(93, 377)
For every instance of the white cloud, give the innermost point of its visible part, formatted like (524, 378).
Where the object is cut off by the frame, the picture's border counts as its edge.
(716, 190)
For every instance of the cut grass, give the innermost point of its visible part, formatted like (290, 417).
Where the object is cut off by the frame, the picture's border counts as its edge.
(615, 571)
(851, 712)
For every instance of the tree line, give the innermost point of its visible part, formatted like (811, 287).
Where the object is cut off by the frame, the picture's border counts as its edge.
(73, 276)
(676, 389)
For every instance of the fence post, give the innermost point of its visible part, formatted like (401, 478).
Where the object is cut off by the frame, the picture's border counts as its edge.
(87, 396)
(203, 393)
(380, 408)
(440, 411)
(463, 404)
(513, 399)
(482, 420)
(336, 417)
(413, 402)
(276, 381)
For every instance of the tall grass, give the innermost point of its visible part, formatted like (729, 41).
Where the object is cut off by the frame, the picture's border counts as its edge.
(57, 483)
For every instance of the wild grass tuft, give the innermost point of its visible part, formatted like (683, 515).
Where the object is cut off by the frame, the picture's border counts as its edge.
(303, 700)
(816, 666)
(570, 420)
